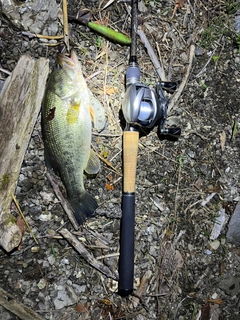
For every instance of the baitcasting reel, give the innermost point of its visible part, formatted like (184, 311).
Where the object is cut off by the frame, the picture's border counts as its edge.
(143, 106)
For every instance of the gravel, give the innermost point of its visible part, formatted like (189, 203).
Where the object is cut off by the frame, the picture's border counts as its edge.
(191, 272)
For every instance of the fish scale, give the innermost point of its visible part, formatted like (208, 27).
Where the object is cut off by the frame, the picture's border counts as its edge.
(67, 126)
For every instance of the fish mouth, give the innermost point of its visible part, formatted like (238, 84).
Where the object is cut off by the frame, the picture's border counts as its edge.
(66, 61)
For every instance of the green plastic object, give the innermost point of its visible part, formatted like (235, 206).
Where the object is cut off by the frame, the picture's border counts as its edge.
(110, 33)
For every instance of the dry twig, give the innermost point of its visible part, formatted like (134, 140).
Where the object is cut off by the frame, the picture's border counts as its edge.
(65, 24)
(178, 93)
(88, 256)
(24, 219)
(205, 67)
(152, 55)
(41, 36)
(62, 199)
(108, 163)
(5, 71)
(178, 4)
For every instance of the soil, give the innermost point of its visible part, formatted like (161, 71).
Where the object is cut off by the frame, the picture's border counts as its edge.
(182, 186)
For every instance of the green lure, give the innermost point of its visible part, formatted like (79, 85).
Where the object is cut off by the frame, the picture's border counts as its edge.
(110, 33)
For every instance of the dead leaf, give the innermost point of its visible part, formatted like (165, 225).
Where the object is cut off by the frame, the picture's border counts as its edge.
(80, 308)
(216, 301)
(110, 177)
(168, 234)
(222, 140)
(198, 183)
(205, 312)
(109, 90)
(179, 3)
(109, 186)
(178, 259)
(215, 189)
(20, 223)
(106, 302)
(221, 267)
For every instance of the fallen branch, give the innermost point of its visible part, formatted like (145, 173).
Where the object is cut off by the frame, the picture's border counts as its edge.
(142, 288)
(66, 206)
(41, 36)
(205, 67)
(17, 308)
(178, 4)
(179, 91)
(152, 55)
(65, 24)
(88, 256)
(20, 105)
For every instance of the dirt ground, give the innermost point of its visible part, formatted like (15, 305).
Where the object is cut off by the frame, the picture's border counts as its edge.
(181, 270)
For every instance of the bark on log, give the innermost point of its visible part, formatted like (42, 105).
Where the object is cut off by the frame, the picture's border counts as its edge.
(20, 103)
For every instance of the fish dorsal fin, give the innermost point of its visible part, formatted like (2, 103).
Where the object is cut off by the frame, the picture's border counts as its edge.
(93, 165)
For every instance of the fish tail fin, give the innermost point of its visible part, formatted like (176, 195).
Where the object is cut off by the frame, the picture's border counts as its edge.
(83, 207)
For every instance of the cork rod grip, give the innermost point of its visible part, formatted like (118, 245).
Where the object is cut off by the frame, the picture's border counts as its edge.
(130, 150)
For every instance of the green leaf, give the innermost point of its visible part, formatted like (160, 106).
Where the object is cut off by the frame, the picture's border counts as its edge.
(234, 129)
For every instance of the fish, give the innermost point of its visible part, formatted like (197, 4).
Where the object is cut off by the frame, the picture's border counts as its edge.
(69, 111)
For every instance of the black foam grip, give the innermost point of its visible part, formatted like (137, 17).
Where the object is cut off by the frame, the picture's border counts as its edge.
(126, 259)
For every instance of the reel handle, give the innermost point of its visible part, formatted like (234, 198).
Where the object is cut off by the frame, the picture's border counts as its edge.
(126, 259)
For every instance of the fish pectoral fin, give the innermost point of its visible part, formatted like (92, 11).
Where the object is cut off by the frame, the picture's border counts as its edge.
(92, 114)
(97, 113)
(93, 165)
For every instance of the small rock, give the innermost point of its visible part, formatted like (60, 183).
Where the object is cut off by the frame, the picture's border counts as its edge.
(230, 284)
(237, 23)
(233, 234)
(142, 7)
(214, 244)
(218, 225)
(65, 297)
(34, 16)
(35, 249)
(47, 197)
(174, 121)
(46, 216)
(51, 259)
(199, 51)
(42, 283)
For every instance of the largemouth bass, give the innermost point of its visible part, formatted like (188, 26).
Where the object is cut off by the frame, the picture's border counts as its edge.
(67, 116)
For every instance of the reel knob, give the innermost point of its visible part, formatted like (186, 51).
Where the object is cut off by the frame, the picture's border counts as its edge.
(171, 132)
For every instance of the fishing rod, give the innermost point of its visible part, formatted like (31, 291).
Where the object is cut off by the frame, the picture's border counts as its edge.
(142, 107)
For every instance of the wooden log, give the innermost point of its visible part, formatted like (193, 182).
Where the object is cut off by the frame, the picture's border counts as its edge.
(20, 103)
(16, 307)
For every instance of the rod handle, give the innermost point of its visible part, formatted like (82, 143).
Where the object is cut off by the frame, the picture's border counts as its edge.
(130, 150)
(126, 259)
